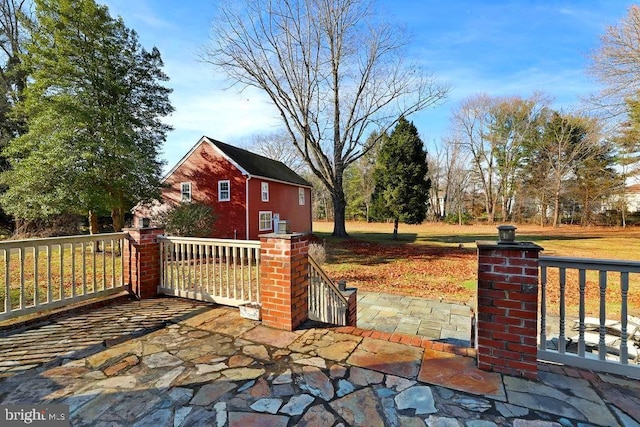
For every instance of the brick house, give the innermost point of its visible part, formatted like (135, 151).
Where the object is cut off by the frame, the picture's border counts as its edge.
(249, 192)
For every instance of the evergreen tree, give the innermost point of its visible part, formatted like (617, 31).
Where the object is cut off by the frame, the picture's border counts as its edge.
(93, 107)
(402, 186)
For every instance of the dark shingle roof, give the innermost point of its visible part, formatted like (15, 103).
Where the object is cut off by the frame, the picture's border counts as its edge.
(258, 165)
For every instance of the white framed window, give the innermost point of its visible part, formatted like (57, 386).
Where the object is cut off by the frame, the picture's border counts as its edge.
(265, 221)
(224, 191)
(185, 191)
(265, 191)
(301, 196)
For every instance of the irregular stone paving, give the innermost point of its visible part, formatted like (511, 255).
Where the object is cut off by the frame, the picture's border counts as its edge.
(215, 368)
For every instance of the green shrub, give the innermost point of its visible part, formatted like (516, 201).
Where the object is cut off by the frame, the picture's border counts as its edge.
(188, 220)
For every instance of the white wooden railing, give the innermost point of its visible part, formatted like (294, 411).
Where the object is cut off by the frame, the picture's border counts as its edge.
(326, 302)
(614, 347)
(42, 274)
(217, 270)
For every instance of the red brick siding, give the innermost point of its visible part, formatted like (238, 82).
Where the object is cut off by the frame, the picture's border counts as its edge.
(204, 168)
(283, 199)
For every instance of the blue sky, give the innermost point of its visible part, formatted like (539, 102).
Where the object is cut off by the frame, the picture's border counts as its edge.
(495, 47)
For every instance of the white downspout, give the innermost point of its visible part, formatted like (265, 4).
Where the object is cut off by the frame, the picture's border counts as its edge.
(246, 195)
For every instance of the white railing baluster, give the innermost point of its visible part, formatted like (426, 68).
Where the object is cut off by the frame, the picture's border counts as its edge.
(36, 290)
(624, 290)
(104, 265)
(61, 259)
(84, 268)
(94, 281)
(7, 280)
(49, 282)
(22, 296)
(582, 283)
(602, 346)
(543, 308)
(562, 343)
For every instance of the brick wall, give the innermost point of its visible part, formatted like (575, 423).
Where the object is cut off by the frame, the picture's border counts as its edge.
(283, 280)
(141, 255)
(507, 308)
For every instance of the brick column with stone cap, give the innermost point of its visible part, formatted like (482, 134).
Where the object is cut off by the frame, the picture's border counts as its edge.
(507, 308)
(284, 270)
(141, 259)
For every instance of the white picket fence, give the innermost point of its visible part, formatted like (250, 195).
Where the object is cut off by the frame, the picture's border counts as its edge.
(42, 274)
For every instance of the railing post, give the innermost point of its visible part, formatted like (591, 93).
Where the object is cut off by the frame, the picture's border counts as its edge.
(283, 280)
(507, 308)
(141, 261)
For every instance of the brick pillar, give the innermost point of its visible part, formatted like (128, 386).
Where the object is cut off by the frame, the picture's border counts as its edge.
(351, 294)
(284, 270)
(141, 256)
(507, 308)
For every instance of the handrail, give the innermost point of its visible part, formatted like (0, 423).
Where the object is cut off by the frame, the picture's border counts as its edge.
(316, 267)
(210, 241)
(47, 241)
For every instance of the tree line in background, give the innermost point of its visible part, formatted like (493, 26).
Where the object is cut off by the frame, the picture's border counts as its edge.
(81, 117)
(511, 159)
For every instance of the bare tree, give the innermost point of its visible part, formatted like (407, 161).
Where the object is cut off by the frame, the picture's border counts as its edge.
(334, 70)
(277, 146)
(568, 143)
(472, 121)
(616, 63)
(448, 171)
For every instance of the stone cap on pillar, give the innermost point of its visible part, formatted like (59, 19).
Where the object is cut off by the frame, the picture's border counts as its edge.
(282, 236)
(491, 245)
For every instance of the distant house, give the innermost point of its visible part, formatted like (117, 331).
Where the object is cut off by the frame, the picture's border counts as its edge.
(632, 196)
(249, 193)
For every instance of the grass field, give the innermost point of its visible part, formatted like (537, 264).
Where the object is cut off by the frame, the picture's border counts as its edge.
(439, 261)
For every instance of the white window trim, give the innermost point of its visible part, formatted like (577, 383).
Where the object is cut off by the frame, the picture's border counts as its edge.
(264, 186)
(301, 197)
(182, 194)
(260, 221)
(228, 198)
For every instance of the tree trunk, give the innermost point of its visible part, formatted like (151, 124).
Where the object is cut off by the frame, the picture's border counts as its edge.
(395, 229)
(93, 223)
(339, 213)
(93, 229)
(117, 219)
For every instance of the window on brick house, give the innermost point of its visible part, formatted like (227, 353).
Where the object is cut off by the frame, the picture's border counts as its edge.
(265, 191)
(301, 196)
(265, 221)
(185, 192)
(224, 191)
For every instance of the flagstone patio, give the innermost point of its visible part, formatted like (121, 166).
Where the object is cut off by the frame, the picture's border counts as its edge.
(174, 362)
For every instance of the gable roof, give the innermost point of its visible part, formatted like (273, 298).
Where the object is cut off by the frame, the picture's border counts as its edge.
(249, 163)
(634, 188)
